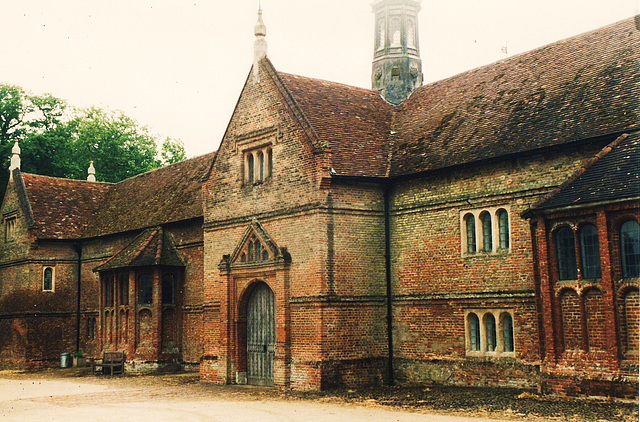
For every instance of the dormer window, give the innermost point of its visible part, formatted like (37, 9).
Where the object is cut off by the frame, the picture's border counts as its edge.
(258, 165)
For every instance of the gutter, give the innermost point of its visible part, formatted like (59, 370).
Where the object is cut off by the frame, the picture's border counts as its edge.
(78, 247)
(387, 263)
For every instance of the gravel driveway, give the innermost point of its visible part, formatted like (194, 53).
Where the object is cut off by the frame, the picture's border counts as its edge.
(72, 395)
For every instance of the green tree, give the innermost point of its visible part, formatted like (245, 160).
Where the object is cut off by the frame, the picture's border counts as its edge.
(172, 151)
(59, 140)
(117, 145)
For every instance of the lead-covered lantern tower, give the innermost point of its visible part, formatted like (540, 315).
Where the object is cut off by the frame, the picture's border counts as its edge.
(397, 67)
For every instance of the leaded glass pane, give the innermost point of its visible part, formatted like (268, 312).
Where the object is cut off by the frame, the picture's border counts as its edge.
(590, 250)
(565, 244)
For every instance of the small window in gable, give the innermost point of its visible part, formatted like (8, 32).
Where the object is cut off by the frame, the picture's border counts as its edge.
(258, 165)
(48, 279)
(255, 251)
(10, 225)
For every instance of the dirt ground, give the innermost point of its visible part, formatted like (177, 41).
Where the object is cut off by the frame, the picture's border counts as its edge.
(74, 394)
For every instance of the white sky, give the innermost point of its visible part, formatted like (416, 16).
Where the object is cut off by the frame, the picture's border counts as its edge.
(178, 66)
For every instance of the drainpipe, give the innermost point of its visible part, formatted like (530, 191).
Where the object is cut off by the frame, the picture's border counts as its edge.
(78, 247)
(387, 262)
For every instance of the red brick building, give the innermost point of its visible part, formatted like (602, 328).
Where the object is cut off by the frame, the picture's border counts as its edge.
(587, 243)
(79, 258)
(337, 239)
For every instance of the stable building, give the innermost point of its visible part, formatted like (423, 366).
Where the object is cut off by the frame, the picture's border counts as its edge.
(479, 230)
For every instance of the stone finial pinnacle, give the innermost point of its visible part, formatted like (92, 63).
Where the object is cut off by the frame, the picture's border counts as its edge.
(260, 44)
(15, 157)
(92, 172)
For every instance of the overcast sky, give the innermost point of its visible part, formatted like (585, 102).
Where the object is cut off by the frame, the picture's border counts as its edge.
(178, 66)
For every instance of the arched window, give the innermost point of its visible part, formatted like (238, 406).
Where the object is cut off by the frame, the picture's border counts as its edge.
(250, 251)
(490, 326)
(258, 251)
(243, 257)
(168, 289)
(265, 255)
(411, 35)
(566, 248)
(381, 35)
(269, 162)
(507, 332)
(145, 289)
(47, 282)
(250, 168)
(590, 251)
(260, 166)
(396, 38)
(470, 223)
(108, 292)
(486, 232)
(124, 289)
(503, 226)
(474, 331)
(630, 248)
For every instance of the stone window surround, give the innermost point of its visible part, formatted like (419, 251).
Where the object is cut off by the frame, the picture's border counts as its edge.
(495, 230)
(497, 313)
(252, 178)
(262, 140)
(53, 278)
(10, 226)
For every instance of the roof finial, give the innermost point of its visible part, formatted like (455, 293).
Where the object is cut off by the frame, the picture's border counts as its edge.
(15, 157)
(92, 172)
(260, 44)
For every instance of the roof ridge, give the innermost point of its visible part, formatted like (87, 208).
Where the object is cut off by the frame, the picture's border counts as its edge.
(530, 52)
(67, 179)
(182, 162)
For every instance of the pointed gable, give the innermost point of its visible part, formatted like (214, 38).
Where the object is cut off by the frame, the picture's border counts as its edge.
(578, 88)
(168, 194)
(352, 122)
(255, 246)
(58, 208)
(153, 247)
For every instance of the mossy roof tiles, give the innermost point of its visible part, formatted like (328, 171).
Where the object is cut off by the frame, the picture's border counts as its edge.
(578, 88)
(61, 208)
(352, 122)
(169, 194)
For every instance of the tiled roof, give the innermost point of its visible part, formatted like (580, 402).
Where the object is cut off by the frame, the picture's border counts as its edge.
(579, 88)
(168, 194)
(151, 247)
(353, 122)
(60, 208)
(611, 175)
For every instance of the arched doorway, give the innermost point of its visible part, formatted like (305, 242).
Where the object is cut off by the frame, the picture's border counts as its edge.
(261, 335)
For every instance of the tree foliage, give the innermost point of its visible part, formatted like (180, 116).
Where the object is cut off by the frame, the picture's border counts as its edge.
(59, 140)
